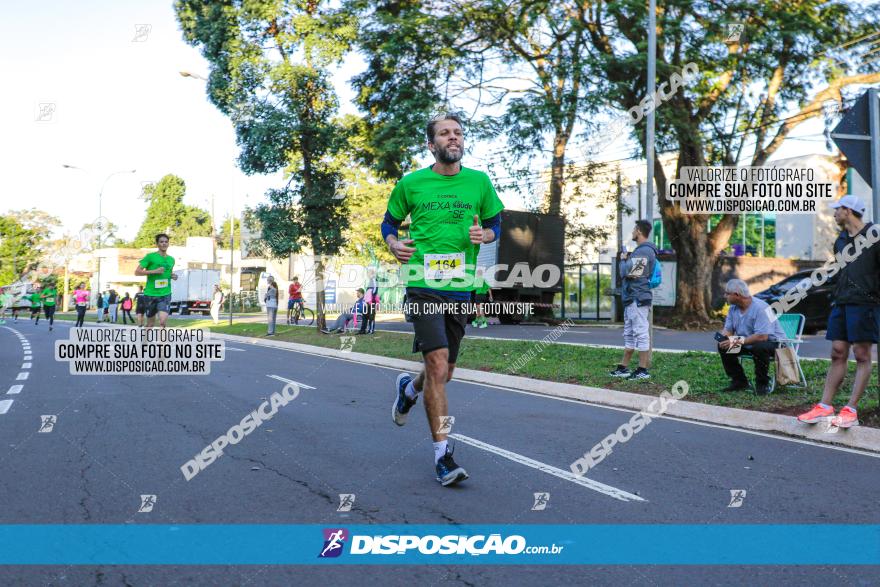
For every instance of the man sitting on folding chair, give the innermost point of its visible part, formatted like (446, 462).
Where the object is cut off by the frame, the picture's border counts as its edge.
(357, 310)
(748, 331)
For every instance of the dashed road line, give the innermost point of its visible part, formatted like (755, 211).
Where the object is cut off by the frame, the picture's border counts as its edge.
(15, 389)
(5, 405)
(22, 376)
(302, 385)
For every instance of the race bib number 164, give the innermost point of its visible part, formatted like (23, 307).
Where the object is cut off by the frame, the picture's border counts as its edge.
(449, 266)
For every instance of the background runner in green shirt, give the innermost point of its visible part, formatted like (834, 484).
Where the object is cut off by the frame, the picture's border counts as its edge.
(35, 306)
(157, 267)
(49, 296)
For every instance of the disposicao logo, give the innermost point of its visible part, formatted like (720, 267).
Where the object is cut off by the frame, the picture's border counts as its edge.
(334, 541)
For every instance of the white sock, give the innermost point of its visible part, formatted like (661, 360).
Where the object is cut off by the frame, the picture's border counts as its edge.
(439, 450)
(410, 390)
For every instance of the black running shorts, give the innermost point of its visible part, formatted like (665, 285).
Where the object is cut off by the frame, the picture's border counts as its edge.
(435, 329)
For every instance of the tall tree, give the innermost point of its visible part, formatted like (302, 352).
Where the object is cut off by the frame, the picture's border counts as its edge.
(791, 57)
(270, 63)
(520, 66)
(19, 252)
(166, 212)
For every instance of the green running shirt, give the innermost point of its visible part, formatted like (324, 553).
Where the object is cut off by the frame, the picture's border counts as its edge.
(48, 296)
(158, 285)
(442, 209)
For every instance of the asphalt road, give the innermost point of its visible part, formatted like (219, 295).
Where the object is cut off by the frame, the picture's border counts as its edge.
(116, 438)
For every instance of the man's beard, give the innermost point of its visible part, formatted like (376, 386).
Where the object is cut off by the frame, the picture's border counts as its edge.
(444, 156)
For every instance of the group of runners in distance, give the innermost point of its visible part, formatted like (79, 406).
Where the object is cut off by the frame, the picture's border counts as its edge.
(152, 300)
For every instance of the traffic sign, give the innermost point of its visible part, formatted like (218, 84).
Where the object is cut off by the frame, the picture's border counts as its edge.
(852, 136)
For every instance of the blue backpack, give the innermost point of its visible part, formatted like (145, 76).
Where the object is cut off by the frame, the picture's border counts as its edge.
(656, 275)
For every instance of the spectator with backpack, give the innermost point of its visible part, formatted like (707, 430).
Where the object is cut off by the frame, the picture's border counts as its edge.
(640, 273)
(371, 300)
(127, 304)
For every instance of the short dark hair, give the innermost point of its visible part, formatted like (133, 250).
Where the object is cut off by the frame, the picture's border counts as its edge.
(429, 131)
(160, 235)
(644, 227)
(856, 214)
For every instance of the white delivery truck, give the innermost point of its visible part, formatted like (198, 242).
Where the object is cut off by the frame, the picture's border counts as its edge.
(192, 290)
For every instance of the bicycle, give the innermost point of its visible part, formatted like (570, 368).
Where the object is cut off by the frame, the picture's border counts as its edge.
(300, 312)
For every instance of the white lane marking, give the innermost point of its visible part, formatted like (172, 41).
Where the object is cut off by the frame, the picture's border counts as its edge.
(15, 389)
(229, 348)
(23, 375)
(5, 405)
(302, 385)
(26, 365)
(556, 472)
(28, 357)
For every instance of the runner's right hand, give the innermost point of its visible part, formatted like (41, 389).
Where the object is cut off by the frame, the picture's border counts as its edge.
(400, 250)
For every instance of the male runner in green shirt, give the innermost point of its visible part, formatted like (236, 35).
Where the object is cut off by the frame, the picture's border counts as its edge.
(447, 204)
(49, 296)
(35, 303)
(157, 267)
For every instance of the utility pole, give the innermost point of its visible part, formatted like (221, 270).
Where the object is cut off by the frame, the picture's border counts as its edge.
(615, 268)
(649, 137)
(231, 255)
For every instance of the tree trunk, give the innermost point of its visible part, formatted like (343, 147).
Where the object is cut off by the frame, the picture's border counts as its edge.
(320, 313)
(557, 175)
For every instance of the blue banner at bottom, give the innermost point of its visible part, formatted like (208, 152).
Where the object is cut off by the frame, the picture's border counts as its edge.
(210, 544)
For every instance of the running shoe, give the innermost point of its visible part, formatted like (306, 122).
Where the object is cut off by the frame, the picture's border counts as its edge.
(475, 324)
(846, 418)
(816, 415)
(402, 403)
(448, 472)
(639, 374)
(620, 371)
(484, 323)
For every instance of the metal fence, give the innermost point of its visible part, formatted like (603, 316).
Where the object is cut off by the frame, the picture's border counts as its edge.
(586, 292)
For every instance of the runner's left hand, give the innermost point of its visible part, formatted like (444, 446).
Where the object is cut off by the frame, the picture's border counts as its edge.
(476, 232)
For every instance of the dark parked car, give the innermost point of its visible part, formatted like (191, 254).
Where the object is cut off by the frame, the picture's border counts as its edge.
(816, 306)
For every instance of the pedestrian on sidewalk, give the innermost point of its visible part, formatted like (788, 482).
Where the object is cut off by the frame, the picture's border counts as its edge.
(140, 305)
(856, 309)
(216, 304)
(271, 300)
(106, 302)
(99, 306)
(371, 301)
(113, 304)
(749, 329)
(127, 304)
(635, 270)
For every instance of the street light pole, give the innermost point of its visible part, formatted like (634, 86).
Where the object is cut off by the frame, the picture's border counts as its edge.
(100, 211)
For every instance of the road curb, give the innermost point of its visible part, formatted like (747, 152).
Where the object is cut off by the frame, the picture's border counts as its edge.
(862, 438)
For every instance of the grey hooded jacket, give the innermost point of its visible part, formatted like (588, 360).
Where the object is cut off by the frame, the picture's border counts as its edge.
(637, 288)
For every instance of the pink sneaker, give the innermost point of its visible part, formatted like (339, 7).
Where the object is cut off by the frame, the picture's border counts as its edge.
(816, 415)
(847, 418)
